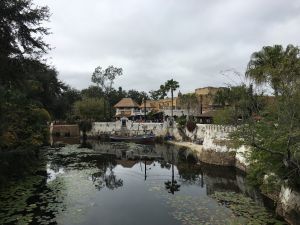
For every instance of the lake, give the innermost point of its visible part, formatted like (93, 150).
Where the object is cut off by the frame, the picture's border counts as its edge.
(128, 184)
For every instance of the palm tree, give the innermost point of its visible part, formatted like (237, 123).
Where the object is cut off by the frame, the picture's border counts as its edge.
(268, 65)
(171, 85)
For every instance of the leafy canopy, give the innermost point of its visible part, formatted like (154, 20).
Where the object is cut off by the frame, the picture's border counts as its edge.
(275, 137)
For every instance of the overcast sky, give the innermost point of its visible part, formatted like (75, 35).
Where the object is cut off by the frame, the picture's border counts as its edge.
(192, 41)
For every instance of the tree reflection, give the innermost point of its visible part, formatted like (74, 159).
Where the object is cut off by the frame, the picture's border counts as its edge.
(98, 180)
(190, 173)
(112, 182)
(106, 177)
(103, 179)
(172, 185)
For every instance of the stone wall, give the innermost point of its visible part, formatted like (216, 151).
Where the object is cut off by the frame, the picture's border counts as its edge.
(217, 148)
(134, 128)
(288, 205)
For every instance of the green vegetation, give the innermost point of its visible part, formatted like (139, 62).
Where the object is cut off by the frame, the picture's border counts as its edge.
(105, 80)
(31, 94)
(90, 109)
(162, 92)
(269, 124)
(239, 104)
(189, 101)
(245, 209)
(27, 85)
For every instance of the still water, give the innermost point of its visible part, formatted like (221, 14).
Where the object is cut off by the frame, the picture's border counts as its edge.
(128, 184)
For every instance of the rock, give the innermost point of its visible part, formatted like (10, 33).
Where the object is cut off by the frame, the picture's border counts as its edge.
(289, 205)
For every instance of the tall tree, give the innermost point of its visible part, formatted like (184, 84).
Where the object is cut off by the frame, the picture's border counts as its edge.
(161, 93)
(138, 96)
(105, 79)
(64, 104)
(238, 102)
(171, 85)
(25, 80)
(90, 109)
(270, 65)
(92, 92)
(87, 111)
(275, 139)
(21, 37)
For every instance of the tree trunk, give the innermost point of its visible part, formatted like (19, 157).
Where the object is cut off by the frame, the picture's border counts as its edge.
(84, 137)
(104, 109)
(172, 104)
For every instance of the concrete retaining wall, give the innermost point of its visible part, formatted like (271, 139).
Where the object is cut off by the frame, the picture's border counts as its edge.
(159, 129)
(217, 148)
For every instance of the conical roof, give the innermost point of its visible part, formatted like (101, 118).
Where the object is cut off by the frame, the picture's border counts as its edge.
(126, 103)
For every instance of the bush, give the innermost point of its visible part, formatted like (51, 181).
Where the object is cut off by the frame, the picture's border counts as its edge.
(225, 116)
(191, 125)
(181, 121)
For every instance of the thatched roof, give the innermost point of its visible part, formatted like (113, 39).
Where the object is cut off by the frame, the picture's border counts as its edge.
(126, 103)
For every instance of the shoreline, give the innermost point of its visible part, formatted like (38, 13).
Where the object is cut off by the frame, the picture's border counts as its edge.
(285, 201)
(211, 156)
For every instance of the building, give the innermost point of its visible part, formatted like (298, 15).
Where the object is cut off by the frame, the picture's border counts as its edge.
(164, 104)
(206, 98)
(127, 107)
(207, 91)
(64, 130)
(150, 106)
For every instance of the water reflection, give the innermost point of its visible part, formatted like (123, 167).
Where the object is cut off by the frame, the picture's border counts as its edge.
(172, 185)
(53, 171)
(125, 183)
(106, 156)
(106, 177)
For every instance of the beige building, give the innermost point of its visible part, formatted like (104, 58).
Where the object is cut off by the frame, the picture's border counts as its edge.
(163, 104)
(206, 97)
(207, 90)
(127, 107)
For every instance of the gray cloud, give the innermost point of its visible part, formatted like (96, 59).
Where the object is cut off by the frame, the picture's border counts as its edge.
(155, 40)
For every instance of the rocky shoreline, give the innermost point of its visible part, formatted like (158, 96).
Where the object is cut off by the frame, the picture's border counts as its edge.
(287, 200)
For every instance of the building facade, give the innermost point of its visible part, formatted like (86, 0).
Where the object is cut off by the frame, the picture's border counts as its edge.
(128, 108)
